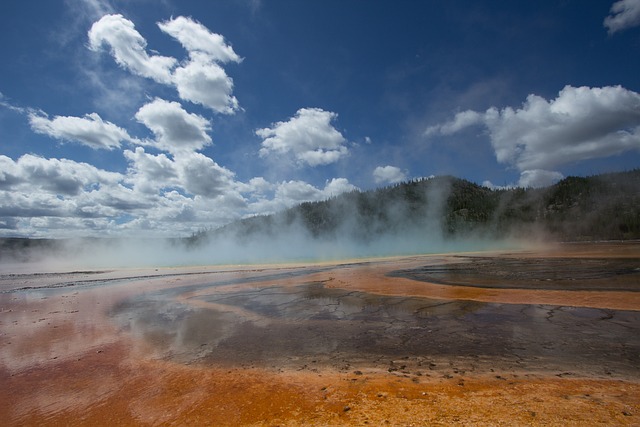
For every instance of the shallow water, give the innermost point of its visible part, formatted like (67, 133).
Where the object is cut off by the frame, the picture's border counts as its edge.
(312, 325)
(566, 274)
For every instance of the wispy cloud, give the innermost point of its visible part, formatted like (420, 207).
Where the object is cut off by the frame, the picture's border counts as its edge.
(624, 14)
(196, 38)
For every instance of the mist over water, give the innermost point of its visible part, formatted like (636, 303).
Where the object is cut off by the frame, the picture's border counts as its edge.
(81, 254)
(295, 246)
(415, 219)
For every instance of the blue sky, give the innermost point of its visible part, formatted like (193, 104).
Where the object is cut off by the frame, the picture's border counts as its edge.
(161, 118)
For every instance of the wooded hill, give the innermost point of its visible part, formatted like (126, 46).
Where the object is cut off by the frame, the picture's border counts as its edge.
(601, 207)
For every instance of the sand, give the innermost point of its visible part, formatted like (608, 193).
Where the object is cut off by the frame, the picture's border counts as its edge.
(394, 341)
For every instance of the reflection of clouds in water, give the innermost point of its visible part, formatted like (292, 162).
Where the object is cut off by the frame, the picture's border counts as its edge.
(44, 326)
(585, 274)
(313, 324)
(281, 322)
(173, 328)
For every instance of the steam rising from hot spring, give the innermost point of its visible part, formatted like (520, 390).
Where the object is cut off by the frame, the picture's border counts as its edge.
(387, 225)
(293, 245)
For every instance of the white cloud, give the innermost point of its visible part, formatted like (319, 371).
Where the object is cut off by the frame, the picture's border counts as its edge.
(624, 14)
(308, 136)
(52, 197)
(128, 48)
(200, 80)
(175, 192)
(204, 82)
(390, 174)
(195, 37)
(40, 197)
(149, 173)
(175, 129)
(582, 123)
(158, 195)
(537, 178)
(200, 175)
(54, 176)
(89, 130)
(460, 121)
(291, 193)
(337, 186)
(259, 185)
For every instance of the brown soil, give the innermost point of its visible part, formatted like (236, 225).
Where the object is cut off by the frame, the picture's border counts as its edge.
(218, 346)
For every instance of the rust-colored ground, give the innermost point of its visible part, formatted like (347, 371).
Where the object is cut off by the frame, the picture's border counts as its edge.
(64, 360)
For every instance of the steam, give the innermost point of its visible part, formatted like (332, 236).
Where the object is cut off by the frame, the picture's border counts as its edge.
(291, 245)
(350, 226)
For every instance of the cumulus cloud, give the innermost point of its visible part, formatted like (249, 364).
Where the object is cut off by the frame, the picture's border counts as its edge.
(56, 176)
(289, 193)
(388, 174)
(204, 82)
(581, 123)
(200, 79)
(195, 173)
(157, 195)
(128, 48)
(624, 14)
(195, 37)
(149, 173)
(259, 185)
(174, 192)
(200, 175)
(89, 130)
(35, 191)
(308, 136)
(337, 186)
(174, 128)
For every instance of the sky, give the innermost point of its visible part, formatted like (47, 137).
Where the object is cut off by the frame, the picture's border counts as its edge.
(164, 118)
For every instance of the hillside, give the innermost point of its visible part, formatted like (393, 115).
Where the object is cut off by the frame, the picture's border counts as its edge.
(412, 217)
(600, 207)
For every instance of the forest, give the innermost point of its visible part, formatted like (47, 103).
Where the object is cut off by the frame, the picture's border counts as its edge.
(599, 207)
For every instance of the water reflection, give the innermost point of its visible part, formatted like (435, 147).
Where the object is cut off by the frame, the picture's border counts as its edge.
(311, 323)
(585, 274)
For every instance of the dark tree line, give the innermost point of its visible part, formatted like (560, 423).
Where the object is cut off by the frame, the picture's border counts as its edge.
(598, 207)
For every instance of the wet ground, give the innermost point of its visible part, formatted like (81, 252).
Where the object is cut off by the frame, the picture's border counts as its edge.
(562, 274)
(545, 337)
(310, 326)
